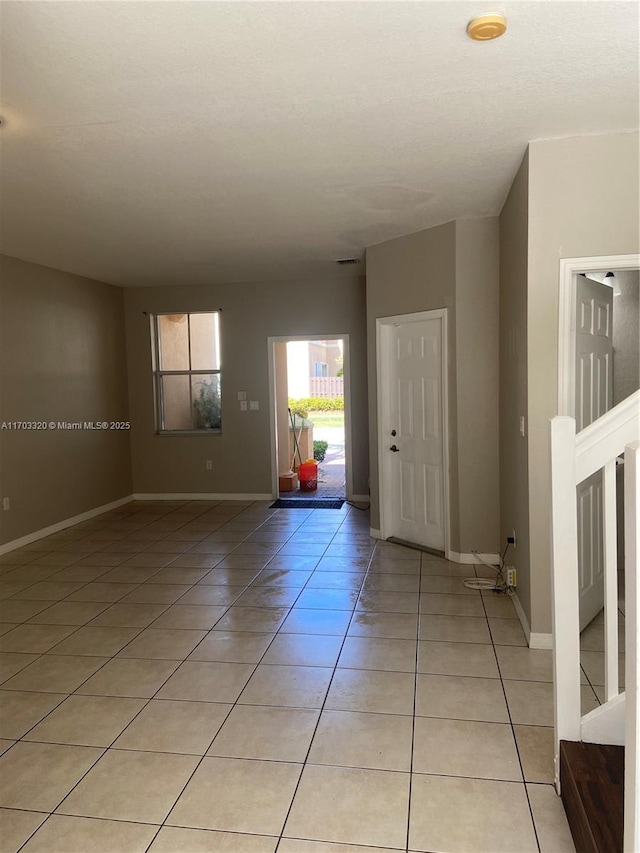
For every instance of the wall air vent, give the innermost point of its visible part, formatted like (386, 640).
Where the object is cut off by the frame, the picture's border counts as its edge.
(348, 262)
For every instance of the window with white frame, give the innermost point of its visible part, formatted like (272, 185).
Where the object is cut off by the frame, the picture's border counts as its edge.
(187, 372)
(320, 368)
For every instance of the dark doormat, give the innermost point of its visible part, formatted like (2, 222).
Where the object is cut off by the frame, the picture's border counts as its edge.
(302, 503)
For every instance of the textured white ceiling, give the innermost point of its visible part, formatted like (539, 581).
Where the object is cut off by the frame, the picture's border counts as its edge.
(193, 142)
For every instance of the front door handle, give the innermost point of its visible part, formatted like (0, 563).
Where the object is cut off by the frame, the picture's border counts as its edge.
(394, 449)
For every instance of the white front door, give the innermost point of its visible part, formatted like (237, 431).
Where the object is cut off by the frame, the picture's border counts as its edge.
(594, 397)
(412, 429)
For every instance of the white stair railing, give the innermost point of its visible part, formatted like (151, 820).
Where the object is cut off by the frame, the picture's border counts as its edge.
(574, 458)
(632, 671)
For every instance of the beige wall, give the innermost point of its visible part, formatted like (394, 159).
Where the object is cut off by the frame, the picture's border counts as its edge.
(514, 464)
(62, 356)
(406, 275)
(251, 313)
(477, 367)
(452, 266)
(583, 201)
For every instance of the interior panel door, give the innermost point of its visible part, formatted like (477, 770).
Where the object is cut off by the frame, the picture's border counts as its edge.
(416, 415)
(594, 397)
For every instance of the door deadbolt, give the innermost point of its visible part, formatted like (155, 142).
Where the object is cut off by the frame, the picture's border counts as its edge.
(393, 432)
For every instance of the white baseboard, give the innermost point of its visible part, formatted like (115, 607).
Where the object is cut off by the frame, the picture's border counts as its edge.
(535, 640)
(62, 525)
(453, 556)
(374, 534)
(540, 641)
(200, 496)
(522, 616)
(359, 499)
(470, 559)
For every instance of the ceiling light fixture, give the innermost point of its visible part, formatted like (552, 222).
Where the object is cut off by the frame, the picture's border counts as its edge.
(487, 27)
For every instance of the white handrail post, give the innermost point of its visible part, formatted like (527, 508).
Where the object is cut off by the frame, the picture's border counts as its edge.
(632, 674)
(610, 581)
(566, 592)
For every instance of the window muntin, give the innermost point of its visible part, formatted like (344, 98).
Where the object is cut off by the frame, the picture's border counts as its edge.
(188, 372)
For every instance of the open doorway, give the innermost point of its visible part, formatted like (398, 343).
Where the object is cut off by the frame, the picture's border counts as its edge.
(607, 373)
(599, 369)
(309, 380)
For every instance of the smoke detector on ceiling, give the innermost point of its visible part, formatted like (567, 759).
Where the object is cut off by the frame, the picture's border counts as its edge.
(486, 27)
(348, 262)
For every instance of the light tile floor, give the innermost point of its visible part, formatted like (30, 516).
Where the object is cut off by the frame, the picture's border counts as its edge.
(197, 676)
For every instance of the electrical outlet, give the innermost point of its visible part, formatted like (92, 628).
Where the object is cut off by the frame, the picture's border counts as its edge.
(6, 504)
(512, 580)
(243, 405)
(208, 465)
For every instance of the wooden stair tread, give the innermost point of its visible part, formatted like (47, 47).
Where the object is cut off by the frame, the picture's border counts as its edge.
(592, 785)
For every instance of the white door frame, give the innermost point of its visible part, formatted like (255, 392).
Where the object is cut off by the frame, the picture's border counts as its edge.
(570, 268)
(383, 325)
(346, 366)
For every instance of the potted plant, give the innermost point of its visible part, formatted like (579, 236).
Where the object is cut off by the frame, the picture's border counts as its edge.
(206, 406)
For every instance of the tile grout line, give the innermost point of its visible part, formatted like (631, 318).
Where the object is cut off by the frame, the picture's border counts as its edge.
(513, 731)
(231, 709)
(49, 815)
(110, 604)
(415, 705)
(322, 708)
(104, 749)
(98, 759)
(227, 607)
(107, 570)
(233, 706)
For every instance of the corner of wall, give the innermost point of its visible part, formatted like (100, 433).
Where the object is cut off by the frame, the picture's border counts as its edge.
(513, 405)
(583, 202)
(477, 382)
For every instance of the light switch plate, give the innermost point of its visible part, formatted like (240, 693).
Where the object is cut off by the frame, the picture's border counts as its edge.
(242, 395)
(243, 405)
(254, 405)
